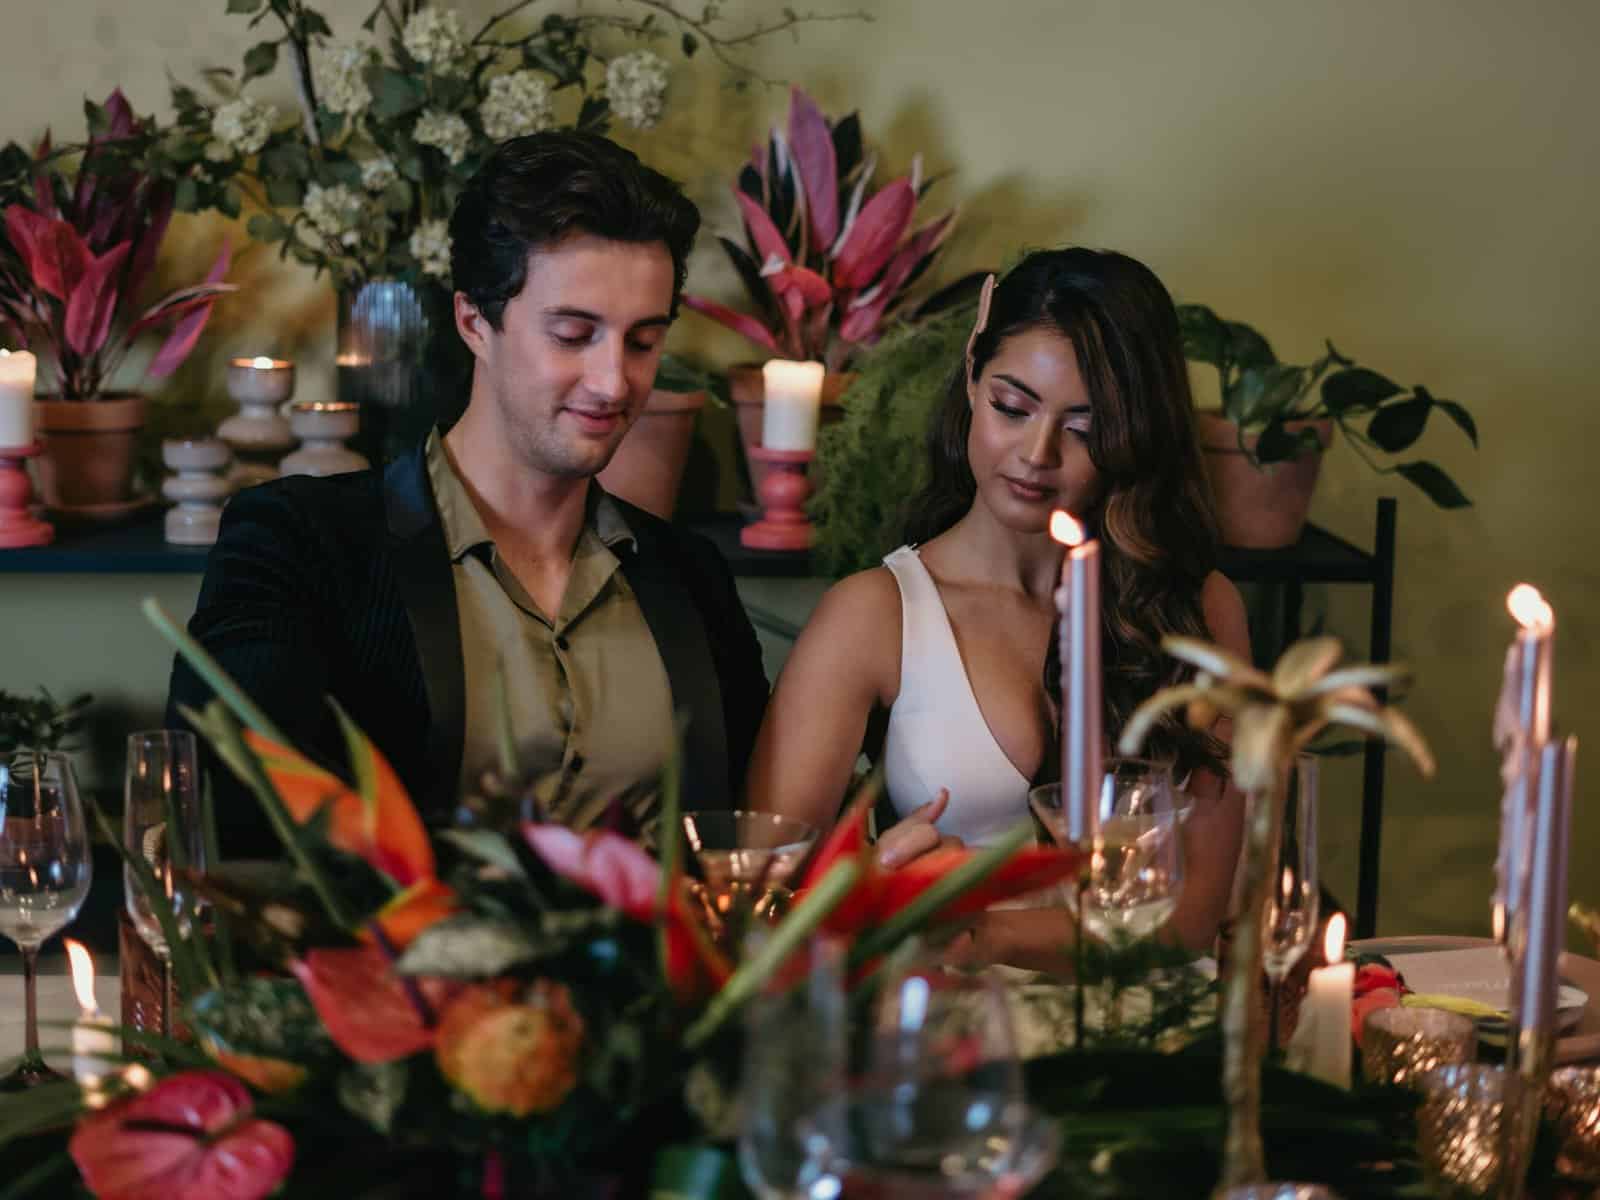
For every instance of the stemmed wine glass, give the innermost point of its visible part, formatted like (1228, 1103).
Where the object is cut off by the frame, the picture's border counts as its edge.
(794, 1069)
(745, 861)
(939, 1109)
(45, 868)
(1290, 919)
(161, 824)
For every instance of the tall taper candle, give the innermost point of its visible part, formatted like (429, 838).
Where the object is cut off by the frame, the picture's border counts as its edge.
(1547, 900)
(17, 370)
(1082, 767)
(1521, 728)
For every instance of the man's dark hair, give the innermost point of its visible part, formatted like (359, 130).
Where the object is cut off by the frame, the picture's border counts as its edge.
(535, 190)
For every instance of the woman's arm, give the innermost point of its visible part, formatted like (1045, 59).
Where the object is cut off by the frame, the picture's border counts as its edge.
(1041, 939)
(846, 660)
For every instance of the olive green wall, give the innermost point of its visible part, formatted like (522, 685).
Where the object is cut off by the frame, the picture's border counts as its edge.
(1417, 181)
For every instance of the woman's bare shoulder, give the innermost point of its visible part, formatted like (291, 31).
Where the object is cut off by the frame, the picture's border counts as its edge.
(1224, 613)
(854, 632)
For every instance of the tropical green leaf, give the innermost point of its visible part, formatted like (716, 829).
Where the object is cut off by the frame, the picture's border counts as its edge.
(1456, 413)
(1204, 336)
(260, 59)
(374, 1092)
(487, 847)
(1438, 486)
(1394, 427)
(1264, 392)
(468, 947)
(1356, 390)
(1245, 347)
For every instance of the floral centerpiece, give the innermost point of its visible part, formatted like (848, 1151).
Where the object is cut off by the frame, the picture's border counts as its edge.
(495, 1012)
(828, 258)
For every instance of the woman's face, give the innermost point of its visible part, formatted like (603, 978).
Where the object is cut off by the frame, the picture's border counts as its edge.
(1029, 444)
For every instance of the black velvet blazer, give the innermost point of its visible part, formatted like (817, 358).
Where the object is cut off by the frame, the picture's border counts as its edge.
(342, 587)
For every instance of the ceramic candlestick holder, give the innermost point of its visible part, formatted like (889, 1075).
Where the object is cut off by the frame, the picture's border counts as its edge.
(258, 433)
(18, 524)
(322, 429)
(783, 491)
(198, 490)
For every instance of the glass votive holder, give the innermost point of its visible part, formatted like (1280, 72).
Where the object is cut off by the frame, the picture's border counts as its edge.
(1279, 1191)
(1572, 1102)
(1459, 1127)
(1398, 1044)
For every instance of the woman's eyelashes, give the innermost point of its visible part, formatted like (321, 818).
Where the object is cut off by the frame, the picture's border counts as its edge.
(1076, 424)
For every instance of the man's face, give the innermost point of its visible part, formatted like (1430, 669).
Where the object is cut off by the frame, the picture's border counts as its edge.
(575, 357)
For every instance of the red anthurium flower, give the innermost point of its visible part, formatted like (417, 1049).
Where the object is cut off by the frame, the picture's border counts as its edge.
(190, 1137)
(372, 1013)
(384, 829)
(879, 893)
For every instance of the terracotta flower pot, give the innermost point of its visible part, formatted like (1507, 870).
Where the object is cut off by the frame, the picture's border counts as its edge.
(87, 466)
(648, 466)
(1259, 507)
(745, 384)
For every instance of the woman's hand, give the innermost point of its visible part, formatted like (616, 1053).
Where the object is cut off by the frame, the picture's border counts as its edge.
(916, 834)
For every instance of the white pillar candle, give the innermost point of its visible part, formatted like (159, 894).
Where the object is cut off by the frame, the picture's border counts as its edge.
(94, 1045)
(792, 398)
(17, 370)
(1078, 599)
(1321, 1043)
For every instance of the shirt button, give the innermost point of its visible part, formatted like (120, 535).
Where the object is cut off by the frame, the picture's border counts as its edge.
(576, 764)
(561, 642)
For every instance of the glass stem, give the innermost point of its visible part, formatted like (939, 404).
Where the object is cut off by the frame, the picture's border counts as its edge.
(1274, 997)
(30, 992)
(166, 997)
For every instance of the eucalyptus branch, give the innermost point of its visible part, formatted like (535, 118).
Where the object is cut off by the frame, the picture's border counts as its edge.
(503, 15)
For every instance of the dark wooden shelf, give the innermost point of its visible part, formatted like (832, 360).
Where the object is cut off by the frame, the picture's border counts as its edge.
(134, 548)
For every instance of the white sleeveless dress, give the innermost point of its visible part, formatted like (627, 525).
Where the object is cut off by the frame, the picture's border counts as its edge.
(937, 736)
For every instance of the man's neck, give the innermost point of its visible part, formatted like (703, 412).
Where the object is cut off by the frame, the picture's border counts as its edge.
(532, 516)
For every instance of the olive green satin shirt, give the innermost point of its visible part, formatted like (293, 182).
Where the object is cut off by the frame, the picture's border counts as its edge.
(586, 691)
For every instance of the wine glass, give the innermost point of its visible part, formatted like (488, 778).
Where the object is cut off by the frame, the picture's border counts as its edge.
(161, 824)
(746, 860)
(794, 1067)
(1290, 918)
(939, 1110)
(45, 868)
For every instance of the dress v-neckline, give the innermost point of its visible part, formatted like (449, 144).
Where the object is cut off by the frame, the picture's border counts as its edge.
(955, 650)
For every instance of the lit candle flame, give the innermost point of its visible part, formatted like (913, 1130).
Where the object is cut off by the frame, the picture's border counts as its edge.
(82, 975)
(1065, 528)
(1529, 608)
(1333, 943)
(262, 363)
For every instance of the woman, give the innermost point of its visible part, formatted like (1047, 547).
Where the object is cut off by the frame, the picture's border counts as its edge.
(1074, 395)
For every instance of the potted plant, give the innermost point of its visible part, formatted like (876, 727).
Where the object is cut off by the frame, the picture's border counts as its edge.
(78, 245)
(361, 181)
(827, 259)
(39, 724)
(1263, 448)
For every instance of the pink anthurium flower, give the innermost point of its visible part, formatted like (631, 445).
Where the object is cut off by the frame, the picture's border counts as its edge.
(190, 1137)
(607, 864)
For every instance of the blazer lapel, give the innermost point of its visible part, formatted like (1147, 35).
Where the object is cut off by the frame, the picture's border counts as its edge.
(427, 588)
(680, 636)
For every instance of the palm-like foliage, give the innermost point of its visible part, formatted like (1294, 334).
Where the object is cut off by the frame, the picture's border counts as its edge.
(1274, 716)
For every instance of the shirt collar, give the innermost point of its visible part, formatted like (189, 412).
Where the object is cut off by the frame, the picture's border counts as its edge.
(464, 530)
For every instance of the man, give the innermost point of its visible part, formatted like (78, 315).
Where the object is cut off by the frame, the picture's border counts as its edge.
(489, 555)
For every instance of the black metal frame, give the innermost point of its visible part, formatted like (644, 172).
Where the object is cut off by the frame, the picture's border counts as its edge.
(1321, 557)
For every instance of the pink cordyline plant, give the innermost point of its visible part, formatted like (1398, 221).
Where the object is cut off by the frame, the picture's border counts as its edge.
(72, 261)
(827, 260)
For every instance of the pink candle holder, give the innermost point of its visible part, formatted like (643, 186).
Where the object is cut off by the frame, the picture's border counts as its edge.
(18, 526)
(784, 491)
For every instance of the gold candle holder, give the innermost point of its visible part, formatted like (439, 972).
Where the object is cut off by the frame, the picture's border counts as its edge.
(1460, 1127)
(1398, 1044)
(1572, 1102)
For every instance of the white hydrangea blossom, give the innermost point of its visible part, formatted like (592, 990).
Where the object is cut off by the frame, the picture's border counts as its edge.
(636, 85)
(444, 131)
(341, 86)
(517, 103)
(378, 173)
(335, 212)
(243, 125)
(430, 246)
(435, 38)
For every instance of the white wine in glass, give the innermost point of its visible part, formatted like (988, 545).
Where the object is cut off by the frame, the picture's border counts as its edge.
(45, 869)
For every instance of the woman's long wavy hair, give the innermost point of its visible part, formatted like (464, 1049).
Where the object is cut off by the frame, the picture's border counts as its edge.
(1153, 515)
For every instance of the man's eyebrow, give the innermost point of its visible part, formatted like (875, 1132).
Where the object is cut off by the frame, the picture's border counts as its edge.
(583, 314)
